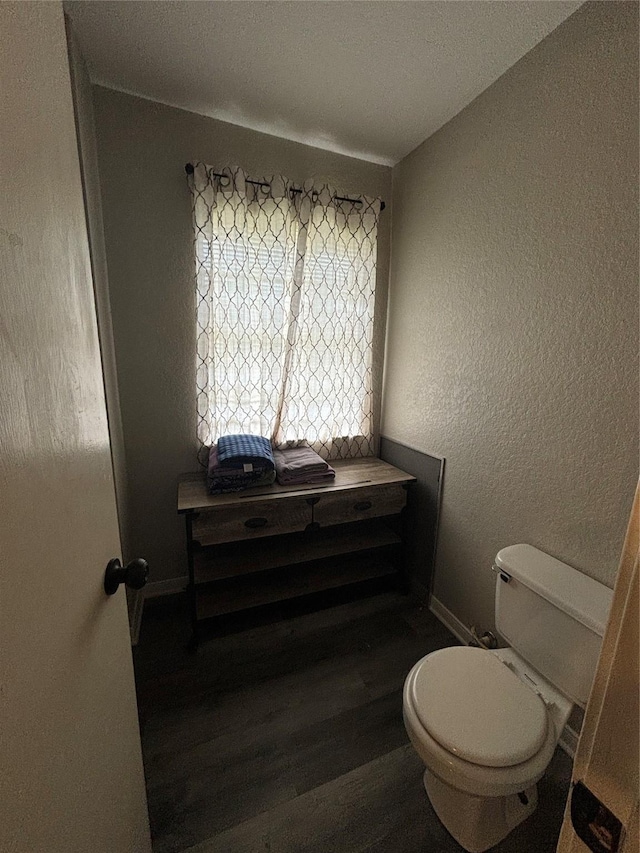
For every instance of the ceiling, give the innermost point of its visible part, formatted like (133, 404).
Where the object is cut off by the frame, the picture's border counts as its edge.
(368, 79)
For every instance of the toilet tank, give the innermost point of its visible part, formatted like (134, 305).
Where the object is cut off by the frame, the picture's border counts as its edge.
(552, 615)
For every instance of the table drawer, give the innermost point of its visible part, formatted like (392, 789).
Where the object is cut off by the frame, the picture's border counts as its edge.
(355, 504)
(256, 519)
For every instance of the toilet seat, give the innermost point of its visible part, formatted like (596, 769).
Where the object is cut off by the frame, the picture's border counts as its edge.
(475, 779)
(477, 708)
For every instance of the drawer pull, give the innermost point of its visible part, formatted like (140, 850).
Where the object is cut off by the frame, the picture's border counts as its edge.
(255, 522)
(362, 505)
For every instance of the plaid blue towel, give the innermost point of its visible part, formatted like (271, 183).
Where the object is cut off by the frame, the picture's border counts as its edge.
(234, 451)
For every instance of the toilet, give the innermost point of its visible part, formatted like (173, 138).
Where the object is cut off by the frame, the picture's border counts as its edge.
(486, 723)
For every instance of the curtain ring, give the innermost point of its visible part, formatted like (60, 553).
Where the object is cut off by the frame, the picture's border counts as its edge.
(224, 178)
(265, 189)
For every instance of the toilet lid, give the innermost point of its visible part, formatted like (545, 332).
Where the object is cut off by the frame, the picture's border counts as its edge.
(477, 708)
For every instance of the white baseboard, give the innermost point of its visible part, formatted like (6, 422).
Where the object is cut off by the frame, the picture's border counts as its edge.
(457, 628)
(135, 617)
(151, 590)
(569, 737)
(166, 587)
(569, 741)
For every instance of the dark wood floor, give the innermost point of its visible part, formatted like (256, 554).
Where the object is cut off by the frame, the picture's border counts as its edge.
(288, 736)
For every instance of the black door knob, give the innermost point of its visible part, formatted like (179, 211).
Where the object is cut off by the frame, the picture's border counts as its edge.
(135, 575)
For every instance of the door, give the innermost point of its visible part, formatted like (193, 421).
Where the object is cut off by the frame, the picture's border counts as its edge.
(71, 777)
(602, 811)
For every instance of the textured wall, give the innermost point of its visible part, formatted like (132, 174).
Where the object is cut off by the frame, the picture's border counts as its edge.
(143, 147)
(512, 329)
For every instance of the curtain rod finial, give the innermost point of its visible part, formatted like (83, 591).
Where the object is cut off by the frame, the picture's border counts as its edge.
(189, 168)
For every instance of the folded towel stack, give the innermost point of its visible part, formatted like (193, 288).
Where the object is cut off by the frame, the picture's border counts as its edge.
(240, 462)
(301, 465)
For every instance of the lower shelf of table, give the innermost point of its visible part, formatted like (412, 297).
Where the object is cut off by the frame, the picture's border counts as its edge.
(217, 562)
(241, 593)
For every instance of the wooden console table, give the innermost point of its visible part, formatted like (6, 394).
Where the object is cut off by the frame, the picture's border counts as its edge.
(269, 544)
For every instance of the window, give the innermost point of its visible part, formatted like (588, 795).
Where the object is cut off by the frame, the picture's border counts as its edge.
(285, 287)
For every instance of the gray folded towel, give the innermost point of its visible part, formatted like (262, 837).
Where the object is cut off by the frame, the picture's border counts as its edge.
(301, 465)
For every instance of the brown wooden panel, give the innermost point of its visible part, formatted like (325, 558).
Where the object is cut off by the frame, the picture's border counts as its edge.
(354, 504)
(239, 558)
(256, 519)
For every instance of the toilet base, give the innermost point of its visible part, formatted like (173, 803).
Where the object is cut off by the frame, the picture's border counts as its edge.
(477, 823)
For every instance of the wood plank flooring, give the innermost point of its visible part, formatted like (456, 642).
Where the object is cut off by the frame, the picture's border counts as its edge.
(285, 733)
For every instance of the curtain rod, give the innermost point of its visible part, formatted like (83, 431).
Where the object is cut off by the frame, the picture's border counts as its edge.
(189, 170)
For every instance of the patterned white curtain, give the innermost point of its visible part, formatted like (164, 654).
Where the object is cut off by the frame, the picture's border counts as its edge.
(285, 280)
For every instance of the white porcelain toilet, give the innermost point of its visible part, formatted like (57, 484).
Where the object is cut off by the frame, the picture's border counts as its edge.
(486, 723)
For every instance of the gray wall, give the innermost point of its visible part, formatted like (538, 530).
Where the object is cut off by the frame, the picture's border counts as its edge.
(420, 517)
(512, 331)
(143, 147)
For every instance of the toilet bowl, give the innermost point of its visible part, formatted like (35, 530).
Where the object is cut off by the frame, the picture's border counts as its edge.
(484, 736)
(486, 723)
